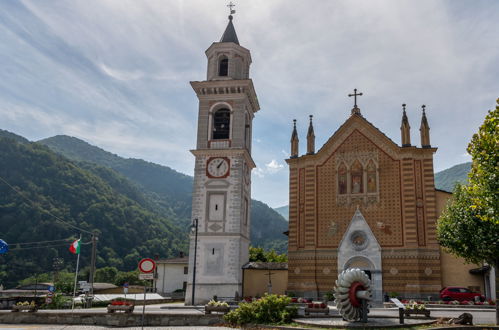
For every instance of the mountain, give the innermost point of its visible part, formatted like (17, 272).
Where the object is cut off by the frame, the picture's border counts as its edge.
(284, 211)
(168, 190)
(446, 179)
(51, 196)
(15, 137)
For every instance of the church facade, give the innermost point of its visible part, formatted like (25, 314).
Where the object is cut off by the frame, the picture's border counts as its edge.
(363, 201)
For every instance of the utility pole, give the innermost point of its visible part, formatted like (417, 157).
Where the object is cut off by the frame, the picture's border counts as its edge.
(92, 266)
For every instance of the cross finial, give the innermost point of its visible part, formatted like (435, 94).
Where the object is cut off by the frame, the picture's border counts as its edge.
(355, 94)
(231, 11)
(423, 107)
(403, 106)
(311, 116)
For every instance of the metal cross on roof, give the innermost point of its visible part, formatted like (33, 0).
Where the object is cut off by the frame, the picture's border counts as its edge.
(355, 94)
(231, 5)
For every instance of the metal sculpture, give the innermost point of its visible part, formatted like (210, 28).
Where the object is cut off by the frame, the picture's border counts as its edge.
(352, 293)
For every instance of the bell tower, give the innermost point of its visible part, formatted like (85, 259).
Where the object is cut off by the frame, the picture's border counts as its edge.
(221, 198)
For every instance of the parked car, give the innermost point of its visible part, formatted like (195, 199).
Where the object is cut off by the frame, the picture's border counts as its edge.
(459, 293)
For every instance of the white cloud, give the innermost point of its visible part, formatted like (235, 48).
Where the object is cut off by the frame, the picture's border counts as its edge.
(273, 167)
(116, 73)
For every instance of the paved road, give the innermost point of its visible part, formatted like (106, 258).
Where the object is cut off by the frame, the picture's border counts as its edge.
(480, 316)
(83, 327)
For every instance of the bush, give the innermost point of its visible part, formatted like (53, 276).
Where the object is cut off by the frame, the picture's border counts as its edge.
(271, 309)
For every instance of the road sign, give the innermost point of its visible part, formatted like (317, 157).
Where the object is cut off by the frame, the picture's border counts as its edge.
(48, 300)
(125, 285)
(51, 288)
(147, 265)
(146, 276)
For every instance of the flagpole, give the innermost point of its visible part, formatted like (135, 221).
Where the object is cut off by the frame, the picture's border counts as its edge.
(76, 279)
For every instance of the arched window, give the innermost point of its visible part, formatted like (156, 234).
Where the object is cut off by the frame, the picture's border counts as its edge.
(221, 124)
(356, 175)
(223, 67)
(371, 177)
(342, 179)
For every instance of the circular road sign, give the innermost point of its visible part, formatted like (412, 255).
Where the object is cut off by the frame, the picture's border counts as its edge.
(147, 265)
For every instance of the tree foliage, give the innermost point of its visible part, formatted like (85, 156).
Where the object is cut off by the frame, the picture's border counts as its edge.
(259, 254)
(464, 234)
(469, 226)
(484, 175)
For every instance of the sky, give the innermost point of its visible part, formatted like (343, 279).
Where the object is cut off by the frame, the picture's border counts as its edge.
(116, 73)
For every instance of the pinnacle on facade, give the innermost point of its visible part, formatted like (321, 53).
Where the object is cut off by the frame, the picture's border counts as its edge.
(230, 33)
(405, 129)
(310, 138)
(424, 130)
(294, 141)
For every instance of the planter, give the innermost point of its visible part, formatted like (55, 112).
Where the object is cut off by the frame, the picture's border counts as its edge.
(219, 309)
(309, 310)
(425, 312)
(124, 308)
(28, 308)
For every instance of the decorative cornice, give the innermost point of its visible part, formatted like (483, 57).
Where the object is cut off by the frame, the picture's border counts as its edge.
(212, 89)
(225, 152)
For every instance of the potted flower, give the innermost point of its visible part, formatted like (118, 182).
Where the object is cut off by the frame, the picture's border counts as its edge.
(216, 306)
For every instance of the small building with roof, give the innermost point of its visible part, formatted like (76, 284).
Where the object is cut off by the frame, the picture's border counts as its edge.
(261, 277)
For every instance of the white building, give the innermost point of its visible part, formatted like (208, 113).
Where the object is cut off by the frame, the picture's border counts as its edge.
(171, 275)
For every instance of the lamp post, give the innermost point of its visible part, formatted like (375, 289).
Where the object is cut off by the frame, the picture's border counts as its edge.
(194, 230)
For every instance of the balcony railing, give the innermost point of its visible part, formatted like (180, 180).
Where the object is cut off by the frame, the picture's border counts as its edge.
(218, 144)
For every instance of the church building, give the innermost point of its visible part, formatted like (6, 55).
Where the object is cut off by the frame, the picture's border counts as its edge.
(363, 201)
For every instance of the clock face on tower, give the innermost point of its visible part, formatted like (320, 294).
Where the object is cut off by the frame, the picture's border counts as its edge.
(218, 167)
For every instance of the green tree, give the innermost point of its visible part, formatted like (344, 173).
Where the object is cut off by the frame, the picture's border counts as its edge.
(484, 175)
(469, 226)
(259, 254)
(106, 274)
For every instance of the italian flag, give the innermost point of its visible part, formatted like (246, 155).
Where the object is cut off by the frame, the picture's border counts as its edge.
(75, 247)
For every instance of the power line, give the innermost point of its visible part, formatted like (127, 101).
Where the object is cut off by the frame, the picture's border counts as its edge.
(33, 204)
(36, 247)
(27, 243)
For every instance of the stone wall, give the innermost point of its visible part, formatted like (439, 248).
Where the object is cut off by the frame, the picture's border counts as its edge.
(115, 320)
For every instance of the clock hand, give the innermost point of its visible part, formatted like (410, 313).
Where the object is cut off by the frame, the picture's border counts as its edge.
(219, 164)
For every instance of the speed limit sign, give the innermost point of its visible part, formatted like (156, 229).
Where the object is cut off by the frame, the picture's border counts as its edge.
(147, 265)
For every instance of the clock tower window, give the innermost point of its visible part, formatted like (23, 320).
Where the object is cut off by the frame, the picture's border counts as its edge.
(221, 124)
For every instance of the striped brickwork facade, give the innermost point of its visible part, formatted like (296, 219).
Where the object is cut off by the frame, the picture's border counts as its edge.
(401, 213)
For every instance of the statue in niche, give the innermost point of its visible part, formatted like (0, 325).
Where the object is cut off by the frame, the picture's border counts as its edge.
(371, 177)
(356, 175)
(342, 179)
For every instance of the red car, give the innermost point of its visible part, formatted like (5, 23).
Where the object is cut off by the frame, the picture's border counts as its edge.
(459, 293)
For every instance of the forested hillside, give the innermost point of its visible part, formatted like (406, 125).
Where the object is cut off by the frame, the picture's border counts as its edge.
(52, 187)
(446, 179)
(169, 191)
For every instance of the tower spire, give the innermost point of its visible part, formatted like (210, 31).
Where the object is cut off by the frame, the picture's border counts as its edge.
(405, 129)
(310, 138)
(294, 141)
(230, 32)
(424, 130)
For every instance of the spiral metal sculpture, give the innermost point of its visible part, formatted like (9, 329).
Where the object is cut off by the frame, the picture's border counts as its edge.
(352, 286)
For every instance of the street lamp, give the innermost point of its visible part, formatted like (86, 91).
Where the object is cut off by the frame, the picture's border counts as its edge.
(194, 230)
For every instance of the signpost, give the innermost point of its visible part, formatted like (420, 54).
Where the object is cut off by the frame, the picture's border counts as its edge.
(146, 267)
(400, 307)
